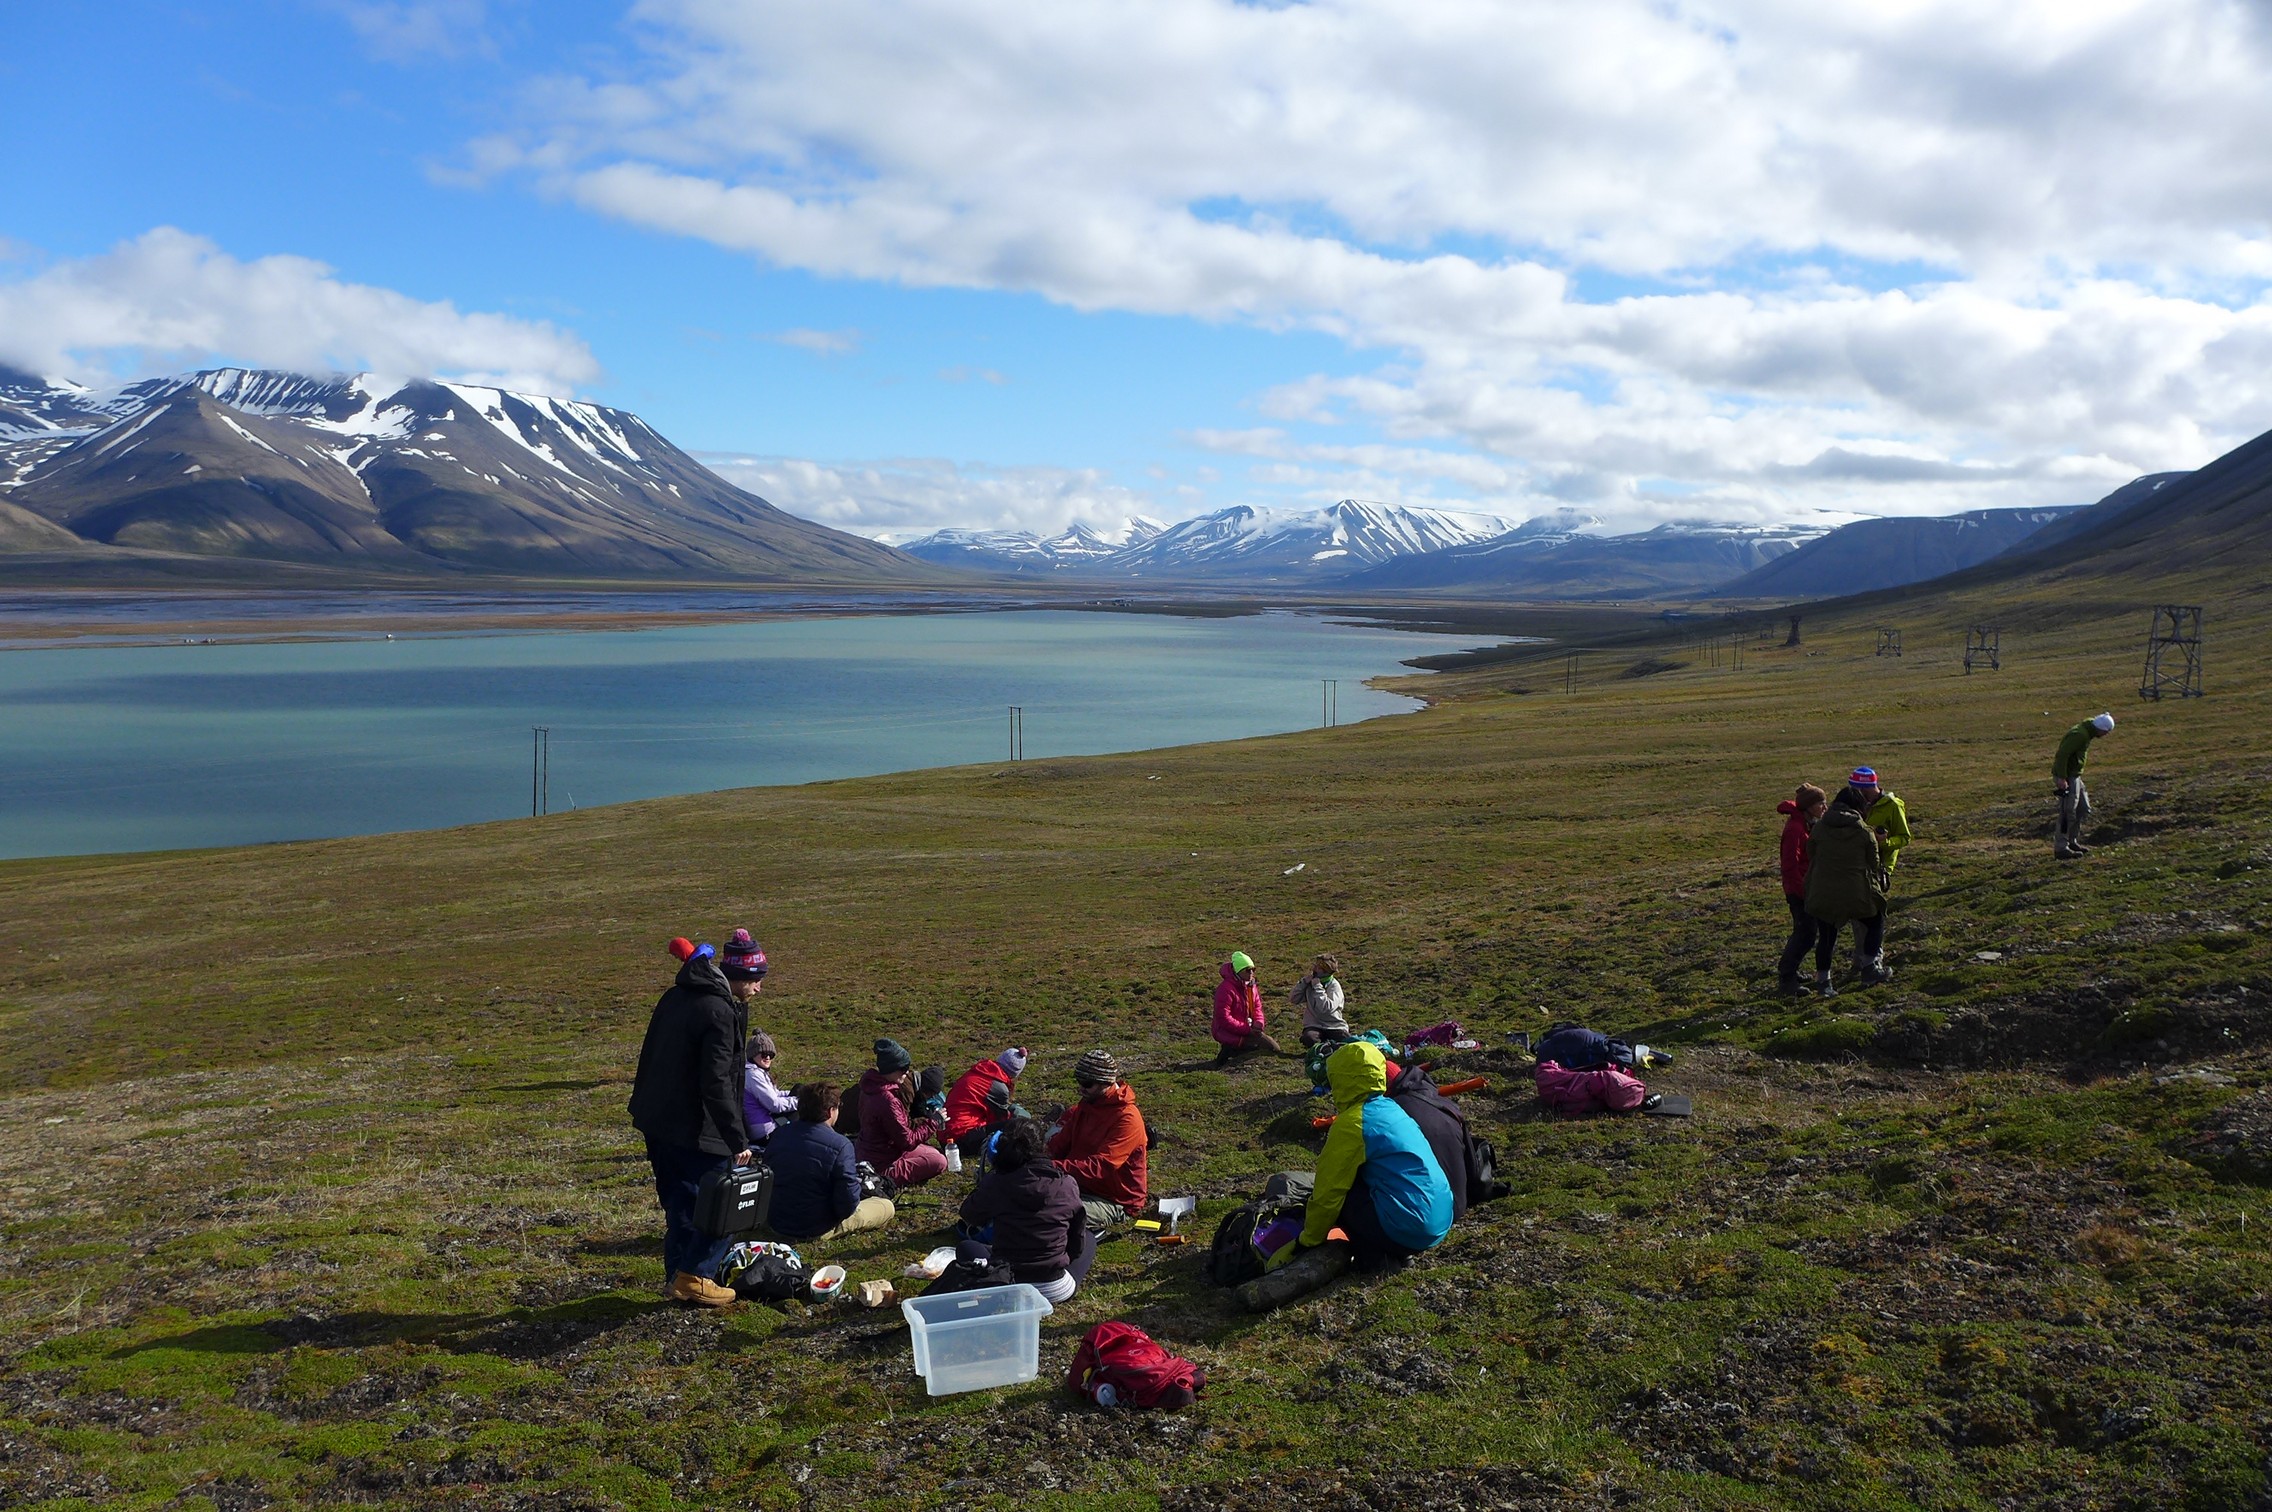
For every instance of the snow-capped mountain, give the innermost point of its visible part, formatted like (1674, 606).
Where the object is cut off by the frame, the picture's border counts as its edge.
(1076, 548)
(1239, 543)
(1558, 560)
(414, 474)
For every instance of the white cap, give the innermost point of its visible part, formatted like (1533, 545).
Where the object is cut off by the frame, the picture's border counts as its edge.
(2103, 724)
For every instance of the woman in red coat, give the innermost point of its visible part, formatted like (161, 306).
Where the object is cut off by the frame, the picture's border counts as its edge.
(1800, 811)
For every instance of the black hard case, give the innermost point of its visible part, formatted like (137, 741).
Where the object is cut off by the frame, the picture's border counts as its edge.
(734, 1200)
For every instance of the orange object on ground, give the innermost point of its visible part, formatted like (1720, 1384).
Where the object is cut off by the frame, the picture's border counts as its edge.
(1169, 1239)
(1322, 1121)
(1470, 1084)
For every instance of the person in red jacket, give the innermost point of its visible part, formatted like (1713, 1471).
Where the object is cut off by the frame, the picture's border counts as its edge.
(982, 1100)
(1238, 1025)
(1800, 812)
(1100, 1142)
(896, 1145)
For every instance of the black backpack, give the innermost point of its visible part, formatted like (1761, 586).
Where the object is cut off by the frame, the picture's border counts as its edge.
(1233, 1260)
(764, 1272)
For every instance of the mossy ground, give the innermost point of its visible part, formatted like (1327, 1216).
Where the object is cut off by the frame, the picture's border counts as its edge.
(316, 1186)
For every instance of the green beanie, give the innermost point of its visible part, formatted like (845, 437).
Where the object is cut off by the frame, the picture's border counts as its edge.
(1241, 961)
(891, 1056)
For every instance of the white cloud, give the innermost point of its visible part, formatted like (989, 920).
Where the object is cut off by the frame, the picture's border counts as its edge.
(819, 343)
(405, 31)
(909, 497)
(168, 299)
(2027, 240)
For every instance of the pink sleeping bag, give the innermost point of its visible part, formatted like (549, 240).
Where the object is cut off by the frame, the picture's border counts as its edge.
(1599, 1089)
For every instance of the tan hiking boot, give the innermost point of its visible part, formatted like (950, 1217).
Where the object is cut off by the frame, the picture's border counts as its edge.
(688, 1287)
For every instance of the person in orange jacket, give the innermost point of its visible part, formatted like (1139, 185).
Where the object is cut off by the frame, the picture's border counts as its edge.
(1100, 1142)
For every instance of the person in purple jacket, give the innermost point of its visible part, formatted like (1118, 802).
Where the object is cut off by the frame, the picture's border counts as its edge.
(764, 1104)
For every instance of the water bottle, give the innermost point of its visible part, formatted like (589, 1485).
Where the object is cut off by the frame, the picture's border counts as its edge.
(954, 1160)
(1106, 1396)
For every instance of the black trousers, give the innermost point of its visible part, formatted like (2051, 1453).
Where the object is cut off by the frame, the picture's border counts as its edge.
(1804, 927)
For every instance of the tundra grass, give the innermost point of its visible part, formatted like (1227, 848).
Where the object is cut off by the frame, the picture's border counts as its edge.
(317, 1189)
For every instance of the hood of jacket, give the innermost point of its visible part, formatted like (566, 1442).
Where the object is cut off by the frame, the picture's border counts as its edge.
(1839, 816)
(1787, 806)
(876, 1079)
(1355, 1072)
(702, 975)
(1230, 975)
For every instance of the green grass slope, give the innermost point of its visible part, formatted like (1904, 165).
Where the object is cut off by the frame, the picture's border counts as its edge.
(317, 1190)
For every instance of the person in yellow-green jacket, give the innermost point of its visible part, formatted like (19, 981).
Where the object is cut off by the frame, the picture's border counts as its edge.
(2067, 783)
(1377, 1179)
(1885, 813)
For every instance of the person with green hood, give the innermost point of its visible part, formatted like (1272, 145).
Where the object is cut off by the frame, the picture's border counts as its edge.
(1846, 881)
(1377, 1179)
(1239, 1024)
(2067, 782)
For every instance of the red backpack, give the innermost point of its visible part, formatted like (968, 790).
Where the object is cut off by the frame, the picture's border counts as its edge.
(1118, 1364)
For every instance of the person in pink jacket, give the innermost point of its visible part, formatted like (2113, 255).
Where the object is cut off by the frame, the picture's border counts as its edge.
(900, 1147)
(1238, 1025)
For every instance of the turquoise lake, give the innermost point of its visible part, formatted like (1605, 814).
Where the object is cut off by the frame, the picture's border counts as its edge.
(121, 748)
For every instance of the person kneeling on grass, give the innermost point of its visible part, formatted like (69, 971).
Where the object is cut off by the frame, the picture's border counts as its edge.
(1238, 1025)
(816, 1177)
(1041, 1231)
(1377, 1179)
(898, 1146)
(1100, 1142)
(980, 1101)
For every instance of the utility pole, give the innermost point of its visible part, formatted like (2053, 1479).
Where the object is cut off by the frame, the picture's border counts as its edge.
(1017, 732)
(1328, 702)
(540, 771)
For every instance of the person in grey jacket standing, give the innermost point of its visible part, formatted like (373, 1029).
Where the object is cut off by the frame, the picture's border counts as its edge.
(1318, 995)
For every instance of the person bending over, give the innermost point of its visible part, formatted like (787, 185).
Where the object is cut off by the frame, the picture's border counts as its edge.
(895, 1144)
(2067, 784)
(1041, 1232)
(816, 1177)
(1100, 1142)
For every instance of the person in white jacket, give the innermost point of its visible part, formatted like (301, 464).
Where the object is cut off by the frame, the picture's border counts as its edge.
(1319, 997)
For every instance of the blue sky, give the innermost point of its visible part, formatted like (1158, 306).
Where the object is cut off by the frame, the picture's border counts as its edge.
(1005, 263)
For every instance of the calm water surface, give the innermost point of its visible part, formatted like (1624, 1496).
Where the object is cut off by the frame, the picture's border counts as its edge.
(152, 747)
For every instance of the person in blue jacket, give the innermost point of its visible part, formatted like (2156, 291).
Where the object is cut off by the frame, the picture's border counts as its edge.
(817, 1190)
(1377, 1180)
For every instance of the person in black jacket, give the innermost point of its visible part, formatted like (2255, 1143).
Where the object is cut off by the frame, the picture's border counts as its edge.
(1041, 1232)
(687, 1100)
(1444, 1126)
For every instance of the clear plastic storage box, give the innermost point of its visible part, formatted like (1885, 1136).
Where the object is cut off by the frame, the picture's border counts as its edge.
(968, 1341)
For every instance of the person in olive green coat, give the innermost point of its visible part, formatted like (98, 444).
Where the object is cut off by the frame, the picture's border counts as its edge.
(1846, 881)
(2067, 782)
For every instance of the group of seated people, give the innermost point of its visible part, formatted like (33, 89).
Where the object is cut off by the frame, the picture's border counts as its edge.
(1044, 1193)
(1398, 1167)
